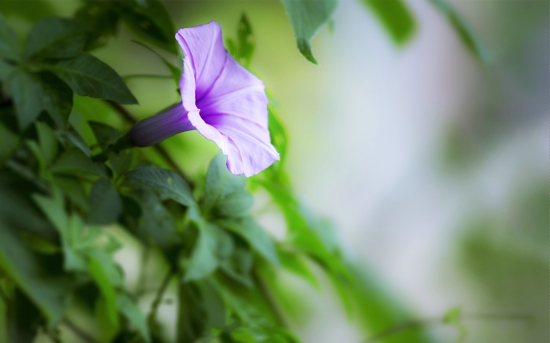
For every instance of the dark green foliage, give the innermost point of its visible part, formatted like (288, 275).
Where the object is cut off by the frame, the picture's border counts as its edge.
(66, 201)
(88, 76)
(55, 38)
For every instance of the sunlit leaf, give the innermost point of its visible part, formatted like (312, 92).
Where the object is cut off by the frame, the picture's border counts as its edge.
(396, 18)
(132, 312)
(55, 38)
(166, 182)
(109, 303)
(307, 17)
(88, 76)
(27, 94)
(105, 203)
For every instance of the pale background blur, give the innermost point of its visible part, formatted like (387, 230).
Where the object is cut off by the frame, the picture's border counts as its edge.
(433, 166)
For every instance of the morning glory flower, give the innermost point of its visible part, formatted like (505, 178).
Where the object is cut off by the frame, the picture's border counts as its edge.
(220, 99)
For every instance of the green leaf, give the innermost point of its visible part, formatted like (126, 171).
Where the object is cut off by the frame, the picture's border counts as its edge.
(27, 94)
(88, 76)
(174, 71)
(105, 203)
(306, 17)
(150, 22)
(58, 99)
(48, 142)
(97, 270)
(47, 291)
(73, 137)
(220, 182)
(254, 234)
(278, 135)
(129, 308)
(9, 44)
(295, 264)
(166, 182)
(75, 162)
(105, 135)
(100, 19)
(55, 38)
(121, 162)
(73, 190)
(243, 48)
(463, 29)
(10, 143)
(453, 317)
(204, 257)
(239, 266)
(156, 223)
(396, 18)
(234, 205)
(5, 70)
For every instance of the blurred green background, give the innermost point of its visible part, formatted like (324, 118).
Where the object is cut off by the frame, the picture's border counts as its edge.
(433, 165)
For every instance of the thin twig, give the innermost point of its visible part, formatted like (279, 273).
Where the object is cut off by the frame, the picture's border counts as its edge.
(158, 298)
(78, 331)
(126, 115)
(270, 300)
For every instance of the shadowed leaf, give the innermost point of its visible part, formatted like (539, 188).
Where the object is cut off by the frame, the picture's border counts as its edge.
(88, 76)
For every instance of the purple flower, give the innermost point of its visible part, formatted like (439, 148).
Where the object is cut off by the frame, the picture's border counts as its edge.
(221, 99)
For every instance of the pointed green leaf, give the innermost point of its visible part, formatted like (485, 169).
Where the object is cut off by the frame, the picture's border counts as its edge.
(151, 22)
(105, 135)
(239, 266)
(27, 94)
(75, 162)
(306, 17)
(9, 44)
(129, 308)
(5, 70)
(396, 18)
(254, 234)
(204, 258)
(105, 203)
(98, 272)
(463, 29)
(48, 142)
(55, 38)
(166, 182)
(88, 76)
(220, 182)
(10, 143)
(58, 99)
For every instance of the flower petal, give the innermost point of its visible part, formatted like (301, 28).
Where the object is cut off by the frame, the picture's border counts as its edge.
(229, 105)
(203, 47)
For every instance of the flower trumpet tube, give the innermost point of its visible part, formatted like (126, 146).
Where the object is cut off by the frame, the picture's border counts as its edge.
(220, 99)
